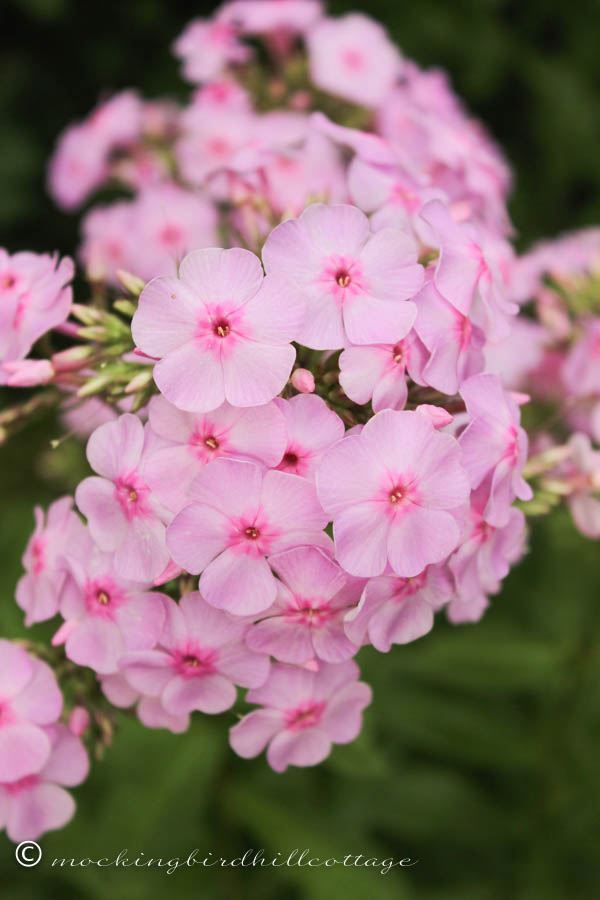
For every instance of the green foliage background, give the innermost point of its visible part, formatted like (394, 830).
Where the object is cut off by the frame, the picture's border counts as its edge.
(479, 755)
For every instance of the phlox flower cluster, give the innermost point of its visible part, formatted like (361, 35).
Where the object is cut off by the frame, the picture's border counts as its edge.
(304, 420)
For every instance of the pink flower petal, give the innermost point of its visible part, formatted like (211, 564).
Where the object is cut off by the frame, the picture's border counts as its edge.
(208, 693)
(240, 584)
(166, 316)
(191, 378)
(252, 733)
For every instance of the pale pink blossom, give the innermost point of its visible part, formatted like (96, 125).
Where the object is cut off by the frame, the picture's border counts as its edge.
(238, 517)
(399, 610)
(207, 46)
(380, 372)
(123, 515)
(39, 591)
(104, 614)
(34, 298)
(302, 714)
(30, 700)
(494, 446)
(265, 16)
(357, 285)
(311, 427)
(149, 235)
(222, 330)
(306, 620)
(353, 57)
(37, 803)
(392, 492)
(200, 657)
(257, 433)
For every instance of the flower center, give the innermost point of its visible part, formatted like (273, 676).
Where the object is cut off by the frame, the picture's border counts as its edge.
(211, 442)
(398, 354)
(343, 278)
(290, 458)
(397, 495)
(192, 661)
(303, 716)
(103, 598)
(252, 533)
(8, 281)
(221, 328)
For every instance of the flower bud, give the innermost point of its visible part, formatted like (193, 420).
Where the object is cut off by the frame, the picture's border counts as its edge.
(79, 720)
(303, 381)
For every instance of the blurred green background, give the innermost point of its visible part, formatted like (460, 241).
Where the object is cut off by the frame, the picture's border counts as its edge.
(479, 756)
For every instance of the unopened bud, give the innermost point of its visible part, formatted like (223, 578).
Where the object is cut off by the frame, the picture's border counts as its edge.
(79, 720)
(438, 416)
(132, 284)
(303, 381)
(72, 359)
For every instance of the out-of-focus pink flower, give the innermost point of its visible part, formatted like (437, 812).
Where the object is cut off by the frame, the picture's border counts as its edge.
(34, 298)
(353, 57)
(392, 491)
(211, 141)
(30, 700)
(222, 330)
(581, 371)
(27, 372)
(123, 515)
(80, 162)
(38, 803)
(379, 373)
(303, 713)
(584, 501)
(494, 446)
(148, 236)
(238, 517)
(399, 610)
(311, 428)
(207, 46)
(257, 433)
(356, 284)
(306, 620)
(104, 614)
(39, 591)
(201, 656)
(265, 16)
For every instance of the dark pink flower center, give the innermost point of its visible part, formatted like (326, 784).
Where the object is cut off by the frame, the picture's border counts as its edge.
(310, 613)
(398, 354)
(305, 715)
(170, 235)
(133, 495)
(407, 587)
(353, 59)
(252, 533)
(343, 278)
(8, 281)
(218, 146)
(103, 597)
(221, 328)
(194, 662)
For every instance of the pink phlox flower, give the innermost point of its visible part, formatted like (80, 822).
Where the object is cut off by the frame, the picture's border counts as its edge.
(239, 516)
(357, 285)
(37, 803)
(302, 713)
(393, 492)
(379, 373)
(123, 514)
(257, 433)
(200, 657)
(39, 591)
(30, 700)
(494, 445)
(399, 610)
(311, 427)
(222, 330)
(306, 620)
